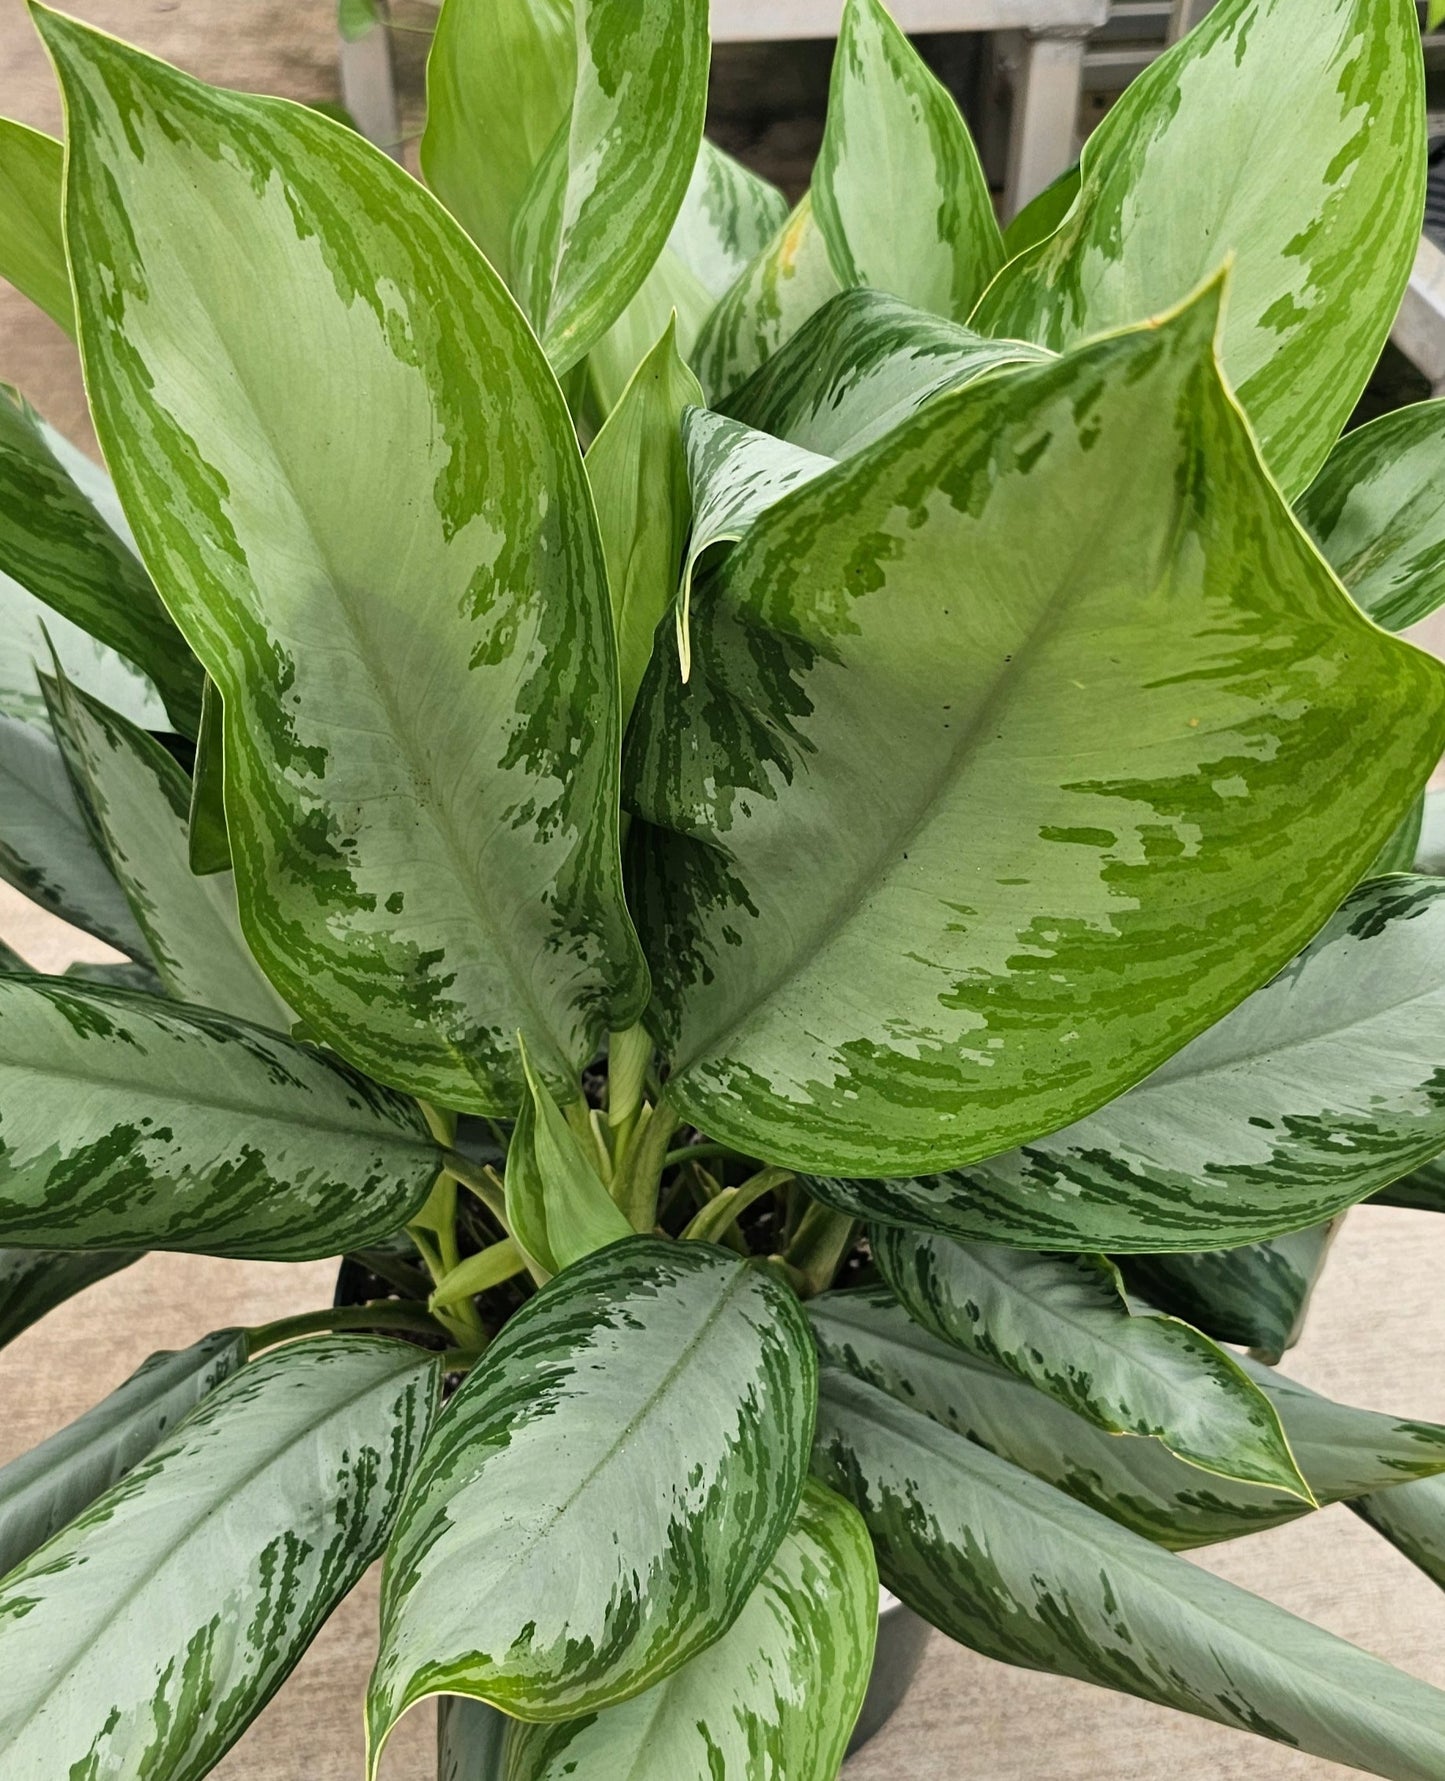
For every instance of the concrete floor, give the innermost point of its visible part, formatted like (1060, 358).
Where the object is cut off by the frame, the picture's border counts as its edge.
(1375, 1336)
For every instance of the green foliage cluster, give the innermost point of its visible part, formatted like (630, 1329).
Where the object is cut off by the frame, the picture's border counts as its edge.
(801, 832)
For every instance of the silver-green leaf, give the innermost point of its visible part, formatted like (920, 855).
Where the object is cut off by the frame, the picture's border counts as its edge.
(899, 194)
(605, 1490)
(1342, 1451)
(420, 765)
(144, 1638)
(768, 302)
(776, 1695)
(1014, 1568)
(862, 364)
(48, 849)
(1377, 510)
(1255, 1295)
(1063, 1323)
(34, 1281)
(1315, 1092)
(603, 196)
(59, 547)
(1321, 215)
(1141, 737)
(49, 1486)
(125, 1120)
(140, 799)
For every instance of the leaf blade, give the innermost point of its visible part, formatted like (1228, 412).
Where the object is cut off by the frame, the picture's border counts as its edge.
(112, 1633)
(139, 797)
(898, 190)
(605, 192)
(1322, 218)
(440, 662)
(194, 1131)
(47, 1487)
(1062, 1323)
(777, 1694)
(1378, 515)
(32, 246)
(879, 617)
(1021, 1572)
(1342, 1451)
(618, 1340)
(1316, 1091)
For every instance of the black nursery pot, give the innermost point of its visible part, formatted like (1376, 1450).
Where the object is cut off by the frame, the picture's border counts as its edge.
(901, 1639)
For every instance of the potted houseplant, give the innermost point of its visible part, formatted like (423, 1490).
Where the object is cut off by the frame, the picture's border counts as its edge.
(793, 827)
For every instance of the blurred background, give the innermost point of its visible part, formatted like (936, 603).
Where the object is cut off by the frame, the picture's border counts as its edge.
(1033, 77)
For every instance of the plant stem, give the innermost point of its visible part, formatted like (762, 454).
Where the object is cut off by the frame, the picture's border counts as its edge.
(699, 1153)
(479, 1273)
(438, 1218)
(481, 1180)
(721, 1214)
(640, 1173)
(384, 1314)
(459, 1360)
(823, 1238)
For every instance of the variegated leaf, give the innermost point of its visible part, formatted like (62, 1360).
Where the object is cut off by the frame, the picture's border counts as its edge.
(611, 1480)
(1322, 216)
(862, 365)
(125, 1120)
(638, 476)
(1256, 1295)
(1412, 1518)
(144, 1638)
(499, 81)
(557, 1208)
(34, 1281)
(776, 1695)
(603, 196)
(59, 548)
(49, 1486)
(1377, 511)
(1014, 1568)
(1315, 1092)
(1342, 1451)
(767, 304)
(32, 245)
(1141, 735)
(420, 767)
(728, 216)
(735, 474)
(47, 848)
(898, 190)
(140, 799)
(33, 637)
(1062, 1323)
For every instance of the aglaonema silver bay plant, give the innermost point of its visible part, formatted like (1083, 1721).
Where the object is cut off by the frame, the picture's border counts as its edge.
(793, 828)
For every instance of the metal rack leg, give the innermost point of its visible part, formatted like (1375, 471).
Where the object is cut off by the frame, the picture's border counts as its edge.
(1044, 122)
